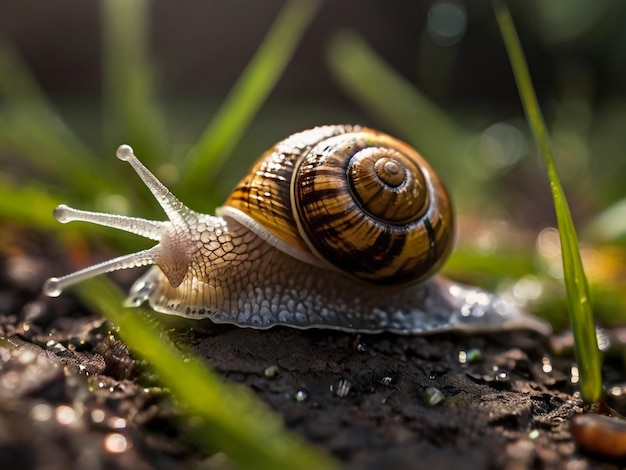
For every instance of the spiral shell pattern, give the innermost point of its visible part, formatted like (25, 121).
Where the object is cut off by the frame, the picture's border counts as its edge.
(366, 203)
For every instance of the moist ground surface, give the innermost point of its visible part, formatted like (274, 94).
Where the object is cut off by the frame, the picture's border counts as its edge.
(73, 396)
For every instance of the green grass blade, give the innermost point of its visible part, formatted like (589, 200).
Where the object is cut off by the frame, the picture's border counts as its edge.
(390, 97)
(581, 317)
(233, 419)
(131, 112)
(497, 264)
(610, 224)
(247, 95)
(30, 126)
(28, 205)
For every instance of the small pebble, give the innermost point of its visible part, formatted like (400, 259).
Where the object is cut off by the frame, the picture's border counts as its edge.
(600, 434)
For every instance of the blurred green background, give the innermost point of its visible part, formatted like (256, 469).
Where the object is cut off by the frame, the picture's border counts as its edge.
(79, 78)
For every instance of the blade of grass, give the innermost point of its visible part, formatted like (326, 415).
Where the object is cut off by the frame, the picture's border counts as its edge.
(247, 95)
(27, 204)
(233, 419)
(610, 224)
(131, 112)
(30, 126)
(581, 317)
(393, 99)
(496, 264)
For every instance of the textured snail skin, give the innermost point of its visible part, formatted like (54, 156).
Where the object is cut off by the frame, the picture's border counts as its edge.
(255, 265)
(256, 285)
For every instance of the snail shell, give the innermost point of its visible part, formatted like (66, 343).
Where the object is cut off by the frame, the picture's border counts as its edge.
(335, 227)
(358, 199)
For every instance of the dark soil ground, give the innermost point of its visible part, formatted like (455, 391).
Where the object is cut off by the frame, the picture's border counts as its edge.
(73, 396)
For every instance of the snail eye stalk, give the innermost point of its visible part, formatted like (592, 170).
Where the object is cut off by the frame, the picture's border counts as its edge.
(179, 216)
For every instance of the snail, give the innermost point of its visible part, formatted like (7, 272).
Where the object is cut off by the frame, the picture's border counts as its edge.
(339, 227)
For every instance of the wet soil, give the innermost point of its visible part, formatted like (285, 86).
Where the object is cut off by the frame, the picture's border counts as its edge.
(73, 396)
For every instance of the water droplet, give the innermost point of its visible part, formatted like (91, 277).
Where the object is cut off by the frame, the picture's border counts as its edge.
(65, 414)
(546, 365)
(116, 443)
(604, 342)
(432, 396)
(116, 422)
(58, 347)
(41, 412)
(301, 395)
(97, 415)
(361, 347)
(341, 388)
(501, 376)
(270, 372)
(386, 380)
(462, 357)
(616, 398)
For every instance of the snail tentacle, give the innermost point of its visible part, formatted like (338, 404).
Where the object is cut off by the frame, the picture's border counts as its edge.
(54, 286)
(172, 254)
(151, 229)
(176, 211)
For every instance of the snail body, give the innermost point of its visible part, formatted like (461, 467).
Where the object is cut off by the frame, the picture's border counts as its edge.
(338, 227)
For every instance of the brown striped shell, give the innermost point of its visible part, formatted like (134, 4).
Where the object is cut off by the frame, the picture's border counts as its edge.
(360, 200)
